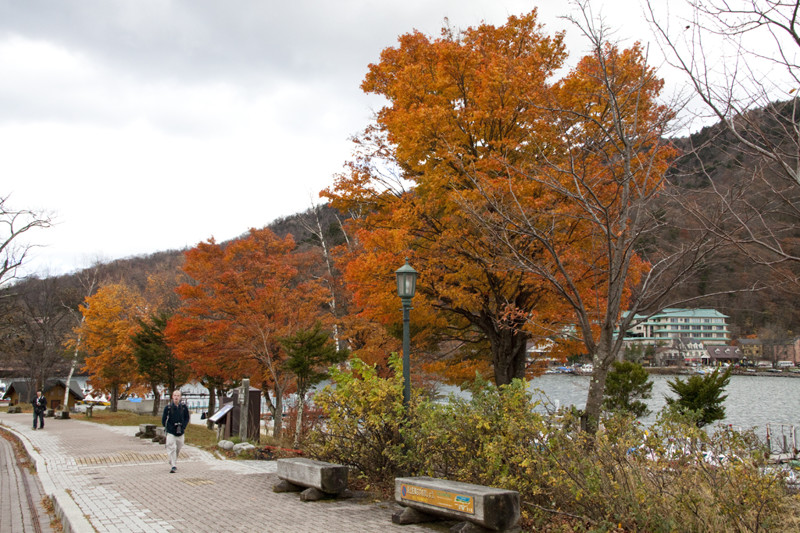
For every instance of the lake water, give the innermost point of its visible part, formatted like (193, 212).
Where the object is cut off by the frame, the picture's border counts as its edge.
(753, 401)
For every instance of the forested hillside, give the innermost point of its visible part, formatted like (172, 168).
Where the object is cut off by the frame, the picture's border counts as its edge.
(710, 156)
(40, 315)
(48, 311)
(713, 164)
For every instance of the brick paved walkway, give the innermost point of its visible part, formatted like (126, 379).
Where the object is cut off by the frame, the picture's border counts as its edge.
(104, 479)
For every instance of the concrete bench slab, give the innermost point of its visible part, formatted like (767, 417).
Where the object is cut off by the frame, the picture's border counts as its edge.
(326, 479)
(488, 507)
(13, 409)
(160, 435)
(61, 415)
(147, 431)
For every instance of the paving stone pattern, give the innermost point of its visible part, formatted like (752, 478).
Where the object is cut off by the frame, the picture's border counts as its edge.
(121, 483)
(16, 515)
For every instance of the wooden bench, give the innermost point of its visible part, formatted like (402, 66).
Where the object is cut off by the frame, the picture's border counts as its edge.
(427, 498)
(313, 479)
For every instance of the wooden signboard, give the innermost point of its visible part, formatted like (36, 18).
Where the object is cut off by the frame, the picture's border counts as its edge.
(438, 498)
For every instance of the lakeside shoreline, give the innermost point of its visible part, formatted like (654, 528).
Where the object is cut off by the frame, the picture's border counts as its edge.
(686, 371)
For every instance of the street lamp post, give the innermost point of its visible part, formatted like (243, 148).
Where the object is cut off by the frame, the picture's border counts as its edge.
(406, 287)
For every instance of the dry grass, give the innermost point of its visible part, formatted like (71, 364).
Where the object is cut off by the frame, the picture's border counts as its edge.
(792, 517)
(201, 436)
(120, 418)
(196, 435)
(55, 522)
(25, 407)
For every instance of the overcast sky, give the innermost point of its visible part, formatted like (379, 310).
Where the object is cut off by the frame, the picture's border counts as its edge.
(148, 125)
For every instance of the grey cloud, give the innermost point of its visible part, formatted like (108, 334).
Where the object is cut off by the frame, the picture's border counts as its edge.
(208, 39)
(254, 47)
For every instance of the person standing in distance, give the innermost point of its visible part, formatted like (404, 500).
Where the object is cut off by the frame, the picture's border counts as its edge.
(175, 420)
(39, 407)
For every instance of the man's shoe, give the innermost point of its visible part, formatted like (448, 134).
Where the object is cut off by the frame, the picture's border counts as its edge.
(34, 429)
(173, 470)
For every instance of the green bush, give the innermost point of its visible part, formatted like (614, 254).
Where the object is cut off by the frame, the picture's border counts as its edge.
(672, 476)
(489, 438)
(363, 415)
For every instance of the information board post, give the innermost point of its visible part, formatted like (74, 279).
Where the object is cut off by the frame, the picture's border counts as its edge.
(244, 401)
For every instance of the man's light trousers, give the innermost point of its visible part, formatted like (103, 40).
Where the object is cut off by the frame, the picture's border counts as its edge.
(174, 445)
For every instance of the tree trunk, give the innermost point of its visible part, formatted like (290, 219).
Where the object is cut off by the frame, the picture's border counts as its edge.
(602, 360)
(212, 404)
(590, 418)
(65, 405)
(509, 355)
(114, 396)
(298, 429)
(316, 229)
(156, 398)
(73, 365)
(277, 418)
(32, 388)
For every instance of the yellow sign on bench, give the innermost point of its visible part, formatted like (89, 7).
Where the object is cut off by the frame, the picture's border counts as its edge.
(438, 498)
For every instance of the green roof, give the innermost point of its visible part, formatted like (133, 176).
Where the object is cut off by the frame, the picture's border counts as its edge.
(693, 313)
(697, 313)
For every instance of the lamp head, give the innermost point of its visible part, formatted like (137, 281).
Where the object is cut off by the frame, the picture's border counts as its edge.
(406, 281)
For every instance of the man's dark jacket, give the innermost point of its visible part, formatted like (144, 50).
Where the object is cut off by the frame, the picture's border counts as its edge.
(40, 404)
(175, 418)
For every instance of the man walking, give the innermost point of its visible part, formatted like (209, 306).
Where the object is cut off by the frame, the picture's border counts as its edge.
(39, 407)
(175, 420)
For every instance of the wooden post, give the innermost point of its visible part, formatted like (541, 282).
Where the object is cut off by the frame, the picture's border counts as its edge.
(244, 403)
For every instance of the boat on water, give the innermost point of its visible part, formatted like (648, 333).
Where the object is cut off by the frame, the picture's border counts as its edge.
(560, 370)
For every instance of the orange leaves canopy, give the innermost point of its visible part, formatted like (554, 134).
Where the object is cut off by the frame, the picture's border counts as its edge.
(243, 299)
(525, 191)
(459, 107)
(110, 320)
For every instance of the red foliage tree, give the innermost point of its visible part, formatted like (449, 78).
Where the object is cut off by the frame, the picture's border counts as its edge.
(244, 298)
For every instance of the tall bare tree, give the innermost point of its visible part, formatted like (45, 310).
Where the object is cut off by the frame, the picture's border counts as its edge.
(14, 225)
(14, 251)
(600, 188)
(41, 323)
(312, 222)
(88, 281)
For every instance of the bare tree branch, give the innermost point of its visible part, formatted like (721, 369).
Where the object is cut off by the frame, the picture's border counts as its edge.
(14, 224)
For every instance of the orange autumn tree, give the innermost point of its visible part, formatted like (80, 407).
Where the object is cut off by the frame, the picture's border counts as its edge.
(244, 298)
(457, 104)
(197, 339)
(500, 181)
(110, 319)
(158, 364)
